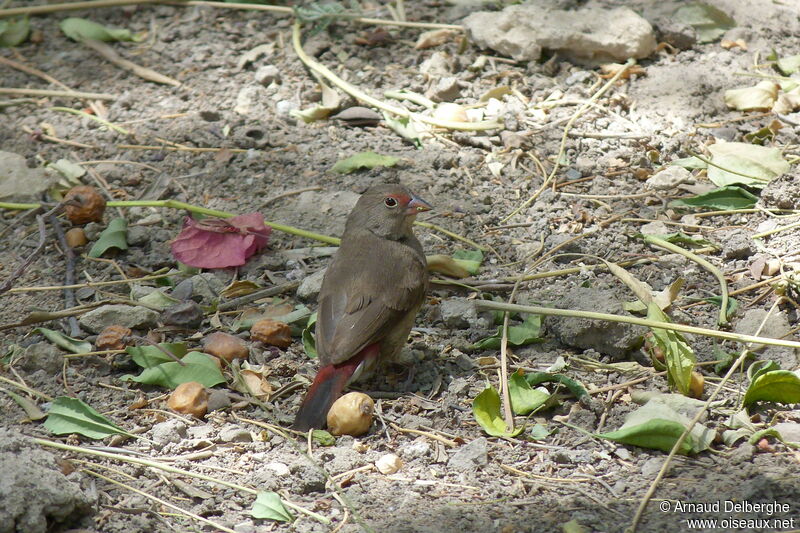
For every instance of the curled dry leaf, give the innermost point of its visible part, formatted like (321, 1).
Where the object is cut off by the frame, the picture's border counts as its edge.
(113, 338)
(432, 38)
(84, 204)
(760, 97)
(220, 243)
(451, 112)
(225, 346)
(351, 414)
(272, 332)
(254, 383)
(189, 398)
(609, 70)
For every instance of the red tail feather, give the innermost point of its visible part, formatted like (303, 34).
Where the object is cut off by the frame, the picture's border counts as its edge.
(326, 389)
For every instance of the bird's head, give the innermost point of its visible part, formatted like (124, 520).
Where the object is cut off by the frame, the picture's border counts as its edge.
(388, 210)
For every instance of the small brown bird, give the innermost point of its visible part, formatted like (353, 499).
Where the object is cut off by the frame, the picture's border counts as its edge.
(370, 295)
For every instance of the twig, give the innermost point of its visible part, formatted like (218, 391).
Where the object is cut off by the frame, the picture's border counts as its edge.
(47, 92)
(723, 307)
(289, 193)
(51, 138)
(89, 284)
(143, 72)
(564, 137)
(551, 311)
(35, 253)
(216, 526)
(178, 148)
(170, 469)
(358, 94)
(264, 293)
(70, 6)
(95, 118)
(775, 230)
(69, 275)
(446, 442)
(33, 72)
(700, 413)
(449, 233)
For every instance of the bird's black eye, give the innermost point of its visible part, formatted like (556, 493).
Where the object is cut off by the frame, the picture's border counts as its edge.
(389, 202)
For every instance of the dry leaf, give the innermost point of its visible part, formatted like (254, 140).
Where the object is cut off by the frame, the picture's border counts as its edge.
(432, 38)
(609, 70)
(758, 98)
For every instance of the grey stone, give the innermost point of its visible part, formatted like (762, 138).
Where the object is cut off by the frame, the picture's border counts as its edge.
(42, 356)
(776, 327)
(172, 430)
(268, 74)
(218, 399)
(309, 478)
(310, 286)
(668, 178)
(207, 286)
(235, 433)
(439, 64)
(458, 313)
(138, 235)
(737, 244)
(675, 33)
(651, 467)
(19, 182)
(418, 448)
(35, 496)
(445, 90)
(470, 456)
(608, 338)
(790, 431)
(588, 34)
(98, 319)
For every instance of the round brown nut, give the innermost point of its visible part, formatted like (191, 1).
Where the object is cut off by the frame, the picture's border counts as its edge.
(84, 204)
(113, 338)
(272, 332)
(225, 346)
(75, 237)
(351, 414)
(189, 398)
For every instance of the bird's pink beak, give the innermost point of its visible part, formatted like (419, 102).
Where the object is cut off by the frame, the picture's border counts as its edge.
(417, 205)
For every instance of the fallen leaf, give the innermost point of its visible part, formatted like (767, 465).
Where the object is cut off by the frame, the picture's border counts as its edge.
(114, 236)
(754, 165)
(760, 97)
(364, 160)
(609, 70)
(220, 243)
(14, 32)
(709, 22)
(79, 29)
(432, 38)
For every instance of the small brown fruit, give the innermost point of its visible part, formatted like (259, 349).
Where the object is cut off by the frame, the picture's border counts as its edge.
(351, 414)
(272, 332)
(696, 385)
(76, 237)
(84, 204)
(225, 346)
(189, 398)
(113, 338)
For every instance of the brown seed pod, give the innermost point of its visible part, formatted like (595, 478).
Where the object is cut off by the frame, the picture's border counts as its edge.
(75, 237)
(113, 338)
(225, 346)
(84, 204)
(272, 332)
(189, 398)
(696, 385)
(351, 414)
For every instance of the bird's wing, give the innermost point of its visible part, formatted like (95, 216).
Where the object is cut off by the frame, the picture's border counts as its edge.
(364, 295)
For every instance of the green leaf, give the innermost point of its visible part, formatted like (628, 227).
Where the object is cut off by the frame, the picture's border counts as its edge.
(197, 367)
(537, 378)
(679, 357)
(760, 97)
(114, 236)
(779, 386)
(689, 162)
(539, 432)
(682, 238)
(158, 299)
(657, 426)
(268, 505)
(469, 260)
(79, 29)
(70, 415)
(239, 288)
(364, 160)
(14, 32)
(29, 406)
(730, 197)
(151, 356)
(709, 22)
(486, 409)
(733, 304)
(760, 164)
(309, 341)
(526, 333)
(761, 367)
(68, 343)
(404, 127)
(322, 437)
(524, 398)
(788, 65)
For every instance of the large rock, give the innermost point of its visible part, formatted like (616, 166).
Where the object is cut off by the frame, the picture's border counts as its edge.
(590, 34)
(35, 496)
(18, 182)
(98, 319)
